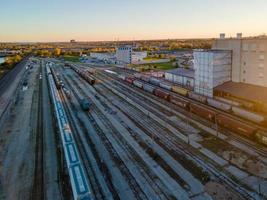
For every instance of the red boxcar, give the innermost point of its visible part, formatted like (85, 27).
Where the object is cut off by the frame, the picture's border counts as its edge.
(180, 102)
(236, 125)
(203, 112)
(129, 80)
(160, 93)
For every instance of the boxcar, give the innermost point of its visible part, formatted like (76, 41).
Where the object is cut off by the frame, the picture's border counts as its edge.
(218, 104)
(180, 90)
(203, 112)
(235, 125)
(138, 83)
(180, 102)
(129, 80)
(166, 85)
(228, 101)
(155, 81)
(257, 118)
(197, 97)
(162, 94)
(145, 78)
(148, 88)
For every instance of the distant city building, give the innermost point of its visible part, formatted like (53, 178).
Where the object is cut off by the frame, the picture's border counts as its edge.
(212, 68)
(72, 41)
(124, 54)
(138, 56)
(249, 63)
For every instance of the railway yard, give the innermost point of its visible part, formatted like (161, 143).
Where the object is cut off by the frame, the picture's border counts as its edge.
(79, 131)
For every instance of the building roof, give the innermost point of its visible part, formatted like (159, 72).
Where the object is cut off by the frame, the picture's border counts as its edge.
(182, 72)
(244, 91)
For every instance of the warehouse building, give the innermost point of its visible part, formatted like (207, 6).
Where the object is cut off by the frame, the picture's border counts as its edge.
(249, 64)
(138, 56)
(181, 76)
(102, 56)
(212, 68)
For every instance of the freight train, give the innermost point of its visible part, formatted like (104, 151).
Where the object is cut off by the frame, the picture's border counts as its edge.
(154, 86)
(84, 74)
(78, 180)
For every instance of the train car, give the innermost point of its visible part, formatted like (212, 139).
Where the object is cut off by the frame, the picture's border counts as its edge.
(179, 101)
(197, 97)
(203, 112)
(89, 79)
(162, 94)
(243, 103)
(129, 80)
(254, 117)
(85, 104)
(91, 70)
(138, 84)
(236, 125)
(145, 78)
(180, 90)
(121, 76)
(218, 104)
(228, 101)
(261, 137)
(137, 75)
(148, 88)
(155, 81)
(166, 85)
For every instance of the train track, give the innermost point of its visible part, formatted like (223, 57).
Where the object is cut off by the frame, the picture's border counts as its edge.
(121, 164)
(262, 151)
(179, 147)
(38, 185)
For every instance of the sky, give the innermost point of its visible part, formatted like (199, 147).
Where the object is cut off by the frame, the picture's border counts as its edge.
(97, 20)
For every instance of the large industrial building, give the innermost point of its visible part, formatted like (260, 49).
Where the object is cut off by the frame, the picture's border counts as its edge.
(212, 68)
(249, 64)
(181, 76)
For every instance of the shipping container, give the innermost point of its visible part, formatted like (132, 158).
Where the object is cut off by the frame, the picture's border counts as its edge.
(218, 104)
(203, 112)
(138, 83)
(197, 97)
(155, 81)
(180, 90)
(235, 125)
(148, 88)
(129, 80)
(162, 94)
(180, 102)
(255, 117)
(166, 85)
(228, 101)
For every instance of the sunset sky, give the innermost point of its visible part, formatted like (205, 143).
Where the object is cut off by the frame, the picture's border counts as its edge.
(91, 20)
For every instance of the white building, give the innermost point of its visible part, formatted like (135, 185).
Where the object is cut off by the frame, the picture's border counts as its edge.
(212, 68)
(102, 56)
(124, 54)
(249, 58)
(138, 56)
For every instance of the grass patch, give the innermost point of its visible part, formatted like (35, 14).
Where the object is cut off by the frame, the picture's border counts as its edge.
(154, 66)
(72, 58)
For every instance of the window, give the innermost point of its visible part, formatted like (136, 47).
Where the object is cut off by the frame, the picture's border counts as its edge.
(253, 47)
(261, 57)
(261, 65)
(245, 47)
(244, 71)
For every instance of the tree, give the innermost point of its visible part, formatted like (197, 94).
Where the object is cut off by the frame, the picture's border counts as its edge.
(57, 52)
